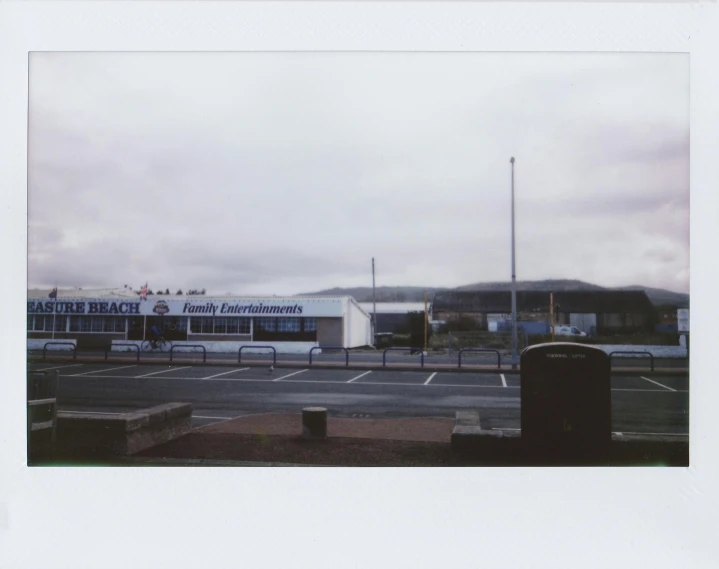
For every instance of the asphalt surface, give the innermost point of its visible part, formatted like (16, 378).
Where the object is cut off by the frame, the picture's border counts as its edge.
(643, 403)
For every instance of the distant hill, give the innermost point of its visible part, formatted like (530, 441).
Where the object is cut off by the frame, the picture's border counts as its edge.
(657, 296)
(553, 285)
(382, 293)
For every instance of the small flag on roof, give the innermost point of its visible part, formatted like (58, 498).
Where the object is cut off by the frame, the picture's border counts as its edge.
(143, 292)
(53, 293)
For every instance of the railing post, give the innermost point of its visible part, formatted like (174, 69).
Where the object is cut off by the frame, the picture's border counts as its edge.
(135, 346)
(479, 350)
(643, 352)
(44, 348)
(274, 352)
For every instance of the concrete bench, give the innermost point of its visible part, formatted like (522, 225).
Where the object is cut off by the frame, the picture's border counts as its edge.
(94, 434)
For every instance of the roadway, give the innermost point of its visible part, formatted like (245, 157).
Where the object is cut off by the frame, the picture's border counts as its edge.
(641, 402)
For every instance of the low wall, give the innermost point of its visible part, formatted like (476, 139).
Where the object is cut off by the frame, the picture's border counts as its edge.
(233, 347)
(472, 445)
(39, 343)
(96, 434)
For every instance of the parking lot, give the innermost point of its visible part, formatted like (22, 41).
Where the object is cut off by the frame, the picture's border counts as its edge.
(639, 403)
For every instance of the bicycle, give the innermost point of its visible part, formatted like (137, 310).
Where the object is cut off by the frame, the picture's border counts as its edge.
(161, 344)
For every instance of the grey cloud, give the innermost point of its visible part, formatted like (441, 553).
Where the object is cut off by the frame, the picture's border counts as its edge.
(271, 171)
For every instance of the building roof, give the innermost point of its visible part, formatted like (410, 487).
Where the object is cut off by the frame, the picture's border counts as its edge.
(85, 293)
(130, 293)
(393, 307)
(575, 301)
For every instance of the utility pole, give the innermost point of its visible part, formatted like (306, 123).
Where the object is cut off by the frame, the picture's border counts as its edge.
(425, 322)
(514, 283)
(374, 304)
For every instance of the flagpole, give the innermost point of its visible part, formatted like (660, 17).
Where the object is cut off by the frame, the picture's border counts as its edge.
(54, 313)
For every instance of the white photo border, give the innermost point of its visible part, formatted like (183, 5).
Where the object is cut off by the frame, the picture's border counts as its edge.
(359, 518)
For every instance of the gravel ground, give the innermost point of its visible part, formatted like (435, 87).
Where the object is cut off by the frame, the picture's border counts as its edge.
(276, 437)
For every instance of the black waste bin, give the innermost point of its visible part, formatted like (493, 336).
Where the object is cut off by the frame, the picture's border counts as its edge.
(384, 340)
(566, 408)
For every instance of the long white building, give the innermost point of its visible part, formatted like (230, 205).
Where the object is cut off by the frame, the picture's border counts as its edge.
(293, 324)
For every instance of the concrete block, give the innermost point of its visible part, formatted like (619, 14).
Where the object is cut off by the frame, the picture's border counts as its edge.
(314, 423)
(95, 435)
(467, 418)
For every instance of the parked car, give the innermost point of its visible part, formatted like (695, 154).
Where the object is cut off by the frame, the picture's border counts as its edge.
(568, 331)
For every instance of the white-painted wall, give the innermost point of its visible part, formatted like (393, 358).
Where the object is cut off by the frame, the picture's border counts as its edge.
(233, 347)
(38, 343)
(357, 325)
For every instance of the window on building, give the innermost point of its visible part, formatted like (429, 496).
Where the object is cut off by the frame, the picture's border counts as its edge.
(220, 325)
(310, 324)
(113, 324)
(45, 323)
(266, 324)
(40, 323)
(80, 323)
(60, 323)
(288, 324)
(223, 325)
(238, 325)
(201, 325)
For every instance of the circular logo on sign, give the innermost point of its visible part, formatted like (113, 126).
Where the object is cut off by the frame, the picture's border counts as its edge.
(161, 307)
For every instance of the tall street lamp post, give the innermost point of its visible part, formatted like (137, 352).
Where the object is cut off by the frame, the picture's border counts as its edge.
(514, 283)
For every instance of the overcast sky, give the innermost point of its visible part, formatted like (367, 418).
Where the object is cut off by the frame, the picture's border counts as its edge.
(286, 173)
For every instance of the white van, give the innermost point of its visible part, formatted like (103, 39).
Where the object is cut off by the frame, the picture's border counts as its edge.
(568, 331)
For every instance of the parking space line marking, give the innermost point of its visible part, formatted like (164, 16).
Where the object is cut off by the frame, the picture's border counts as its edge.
(430, 378)
(655, 434)
(117, 413)
(56, 367)
(102, 370)
(657, 383)
(164, 371)
(504, 381)
(289, 374)
(208, 417)
(613, 432)
(92, 412)
(436, 385)
(225, 373)
(360, 375)
(653, 390)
